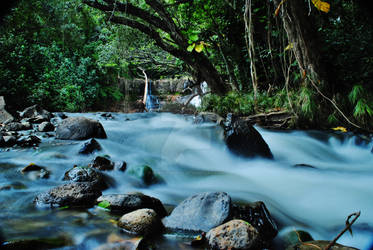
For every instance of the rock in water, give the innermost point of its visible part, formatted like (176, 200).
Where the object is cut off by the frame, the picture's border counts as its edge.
(45, 127)
(200, 212)
(235, 234)
(259, 217)
(318, 244)
(79, 128)
(89, 147)
(142, 221)
(36, 112)
(102, 163)
(86, 174)
(125, 203)
(75, 194)
(244, 140)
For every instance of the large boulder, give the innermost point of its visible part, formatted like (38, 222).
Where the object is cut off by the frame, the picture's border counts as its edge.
(125, 203)
(235, 234)
(244, 140)
(36, 113)
(4, 115)
(79, 128)
(200, 212)
(142, 221)
(75, 194)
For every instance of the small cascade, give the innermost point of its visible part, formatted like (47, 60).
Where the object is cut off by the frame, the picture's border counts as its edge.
(152, 101)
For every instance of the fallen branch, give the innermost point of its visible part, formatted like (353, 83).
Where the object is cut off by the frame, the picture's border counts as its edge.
(348, 227)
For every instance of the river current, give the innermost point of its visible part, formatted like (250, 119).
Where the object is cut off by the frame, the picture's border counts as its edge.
(192, 158)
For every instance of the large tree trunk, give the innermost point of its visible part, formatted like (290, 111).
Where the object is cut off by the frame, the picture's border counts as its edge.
(302, 35)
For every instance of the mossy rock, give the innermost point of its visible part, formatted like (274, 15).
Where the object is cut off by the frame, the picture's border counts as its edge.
(146, 174)
(38, 243)
(295, 237)
(318, 244)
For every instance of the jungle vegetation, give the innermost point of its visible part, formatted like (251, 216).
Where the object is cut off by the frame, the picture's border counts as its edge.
(312, 58)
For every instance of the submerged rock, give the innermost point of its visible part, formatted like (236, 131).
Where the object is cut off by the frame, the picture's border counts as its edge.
(200, 212)
(244, 140)
(318, 244)
(86, 174)
(146, 174)
(75, 194)
(14, 185)
(142, 221)
(39, 243)
(124, 244)
(90, 146)
(259, 217)
(208, 117)
(235, 234)
(35, 171)
(125, 203)
(102, 163)
(293, 237)
(79, 128)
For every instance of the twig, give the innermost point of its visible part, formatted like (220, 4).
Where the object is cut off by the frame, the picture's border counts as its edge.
(146, 86)
(348, 227)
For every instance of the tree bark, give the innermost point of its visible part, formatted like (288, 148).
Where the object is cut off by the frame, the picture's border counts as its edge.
(302, 35)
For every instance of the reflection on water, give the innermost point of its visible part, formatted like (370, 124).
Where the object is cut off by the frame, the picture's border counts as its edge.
(192, 159)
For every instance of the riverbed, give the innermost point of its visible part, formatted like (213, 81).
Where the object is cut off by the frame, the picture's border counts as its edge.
(334, 181)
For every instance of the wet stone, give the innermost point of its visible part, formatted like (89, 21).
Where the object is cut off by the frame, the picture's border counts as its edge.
(86, 174)
(90, 146)
(102, 163)
(125, 203)
(75, 194)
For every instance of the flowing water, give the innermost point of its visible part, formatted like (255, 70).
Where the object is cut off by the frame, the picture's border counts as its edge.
(193, 159)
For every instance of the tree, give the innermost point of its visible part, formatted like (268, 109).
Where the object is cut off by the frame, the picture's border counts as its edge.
(153, 18)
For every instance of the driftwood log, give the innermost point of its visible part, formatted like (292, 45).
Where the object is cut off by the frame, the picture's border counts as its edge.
(271, 120)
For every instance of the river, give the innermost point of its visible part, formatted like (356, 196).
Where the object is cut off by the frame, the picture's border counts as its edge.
(192, 159)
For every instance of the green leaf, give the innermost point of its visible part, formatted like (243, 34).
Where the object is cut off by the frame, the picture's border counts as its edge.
(191, 47)
(104, 204)
(193, 37)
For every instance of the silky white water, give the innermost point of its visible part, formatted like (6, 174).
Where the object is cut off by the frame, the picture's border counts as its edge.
(192, 158)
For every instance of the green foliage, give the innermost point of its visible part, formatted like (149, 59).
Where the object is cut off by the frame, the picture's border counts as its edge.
(363, 103)
(53, 61)
(243, 103)
(104, 204)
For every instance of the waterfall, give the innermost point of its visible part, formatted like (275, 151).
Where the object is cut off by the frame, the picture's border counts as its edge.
(152, 101)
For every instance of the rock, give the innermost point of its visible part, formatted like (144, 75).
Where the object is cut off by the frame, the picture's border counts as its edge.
(107, 116)
(39, 243)
(200, 212)
(9, 140)
(28, 141)
(125, 203)
(4, 115)
(45, 127)
(293, 237)
(17, 126)
(102, 163)
(79, 128)
(131, 244)
(121, 166)
(37, 112)
(90, 146)
(142, 221)
(208, 117)
(258, 216)
(75, 194)
(14, 185)
(244, 140)
(146, 174)
(1, 234)
(86, 174)
(318, 244)
(304, 166)
(38, 172)
(235, 234)
(61, 115)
